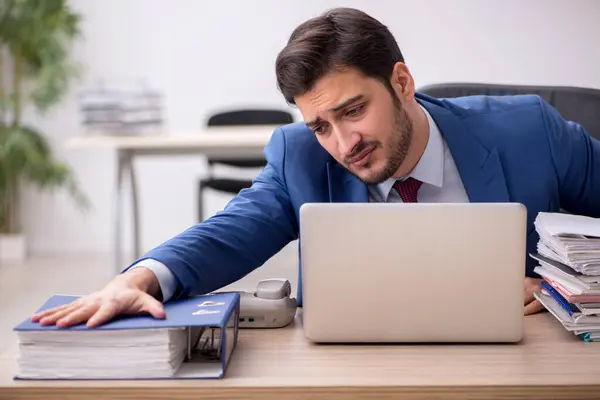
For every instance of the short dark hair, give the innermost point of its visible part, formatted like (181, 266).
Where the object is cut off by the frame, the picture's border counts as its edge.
(339, 38)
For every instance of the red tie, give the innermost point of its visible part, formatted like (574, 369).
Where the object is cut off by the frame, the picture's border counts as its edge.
(408, 189)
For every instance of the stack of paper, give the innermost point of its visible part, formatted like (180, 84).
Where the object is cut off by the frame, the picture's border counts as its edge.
(573, 240)
(569, 263)
(145, 353)
(195, 340)
(118, 108)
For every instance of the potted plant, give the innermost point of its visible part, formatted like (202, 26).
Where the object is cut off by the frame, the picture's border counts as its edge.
(35, 71)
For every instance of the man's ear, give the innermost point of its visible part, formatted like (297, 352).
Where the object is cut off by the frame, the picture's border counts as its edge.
(403, 82)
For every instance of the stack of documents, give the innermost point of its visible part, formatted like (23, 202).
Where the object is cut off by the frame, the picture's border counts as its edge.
(147, 353)
(573, 240)
(568, 253)
(195, 340)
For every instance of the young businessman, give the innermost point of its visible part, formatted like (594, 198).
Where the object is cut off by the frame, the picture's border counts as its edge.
(367, 137)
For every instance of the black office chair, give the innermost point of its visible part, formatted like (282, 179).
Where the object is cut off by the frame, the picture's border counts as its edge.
(575, 104)
(237, 118)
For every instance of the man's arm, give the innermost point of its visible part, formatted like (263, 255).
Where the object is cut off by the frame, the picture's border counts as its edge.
(252, 228)
(576, 157)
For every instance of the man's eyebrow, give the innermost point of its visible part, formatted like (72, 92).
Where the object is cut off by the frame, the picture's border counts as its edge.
(314, 122)
(347, 103)
(337, 108)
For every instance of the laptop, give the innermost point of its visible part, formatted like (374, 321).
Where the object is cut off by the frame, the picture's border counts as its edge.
(414, 273)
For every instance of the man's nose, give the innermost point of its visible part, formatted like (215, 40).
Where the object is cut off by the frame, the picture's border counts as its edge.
(347, 141)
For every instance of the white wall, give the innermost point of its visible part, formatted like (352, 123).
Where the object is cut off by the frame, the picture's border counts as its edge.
(207, 55)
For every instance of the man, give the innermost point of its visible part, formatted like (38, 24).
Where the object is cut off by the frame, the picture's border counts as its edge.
(367, 137)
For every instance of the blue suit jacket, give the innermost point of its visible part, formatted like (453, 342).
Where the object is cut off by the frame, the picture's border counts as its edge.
(516, 149)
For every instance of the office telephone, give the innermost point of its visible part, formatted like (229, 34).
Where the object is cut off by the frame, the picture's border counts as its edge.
(270, 306)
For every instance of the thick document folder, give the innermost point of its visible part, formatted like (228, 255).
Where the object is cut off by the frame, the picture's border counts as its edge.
(194, 341)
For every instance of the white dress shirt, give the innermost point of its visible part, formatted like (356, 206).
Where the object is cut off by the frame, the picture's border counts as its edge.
(436, 169)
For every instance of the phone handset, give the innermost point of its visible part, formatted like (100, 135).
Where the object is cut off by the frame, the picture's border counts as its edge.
(270, 306)
(273, 289)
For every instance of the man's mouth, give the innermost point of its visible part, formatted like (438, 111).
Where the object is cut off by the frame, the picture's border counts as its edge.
(362, 156)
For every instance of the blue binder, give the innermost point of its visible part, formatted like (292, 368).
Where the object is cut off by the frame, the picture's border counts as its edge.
(212, 315)
(568, 307)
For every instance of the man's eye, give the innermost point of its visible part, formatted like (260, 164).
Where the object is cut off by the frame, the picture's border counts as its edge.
(318, 130)
(354, 111)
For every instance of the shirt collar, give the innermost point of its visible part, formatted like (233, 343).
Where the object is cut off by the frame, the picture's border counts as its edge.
(429, 169)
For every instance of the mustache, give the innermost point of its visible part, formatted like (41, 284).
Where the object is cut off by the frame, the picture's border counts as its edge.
(359, 148)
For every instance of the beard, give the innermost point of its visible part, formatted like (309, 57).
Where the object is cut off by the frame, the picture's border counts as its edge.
(399, 139)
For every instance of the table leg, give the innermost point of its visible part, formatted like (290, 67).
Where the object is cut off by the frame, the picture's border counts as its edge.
(125, 166)
(118, 211)
(135, 210)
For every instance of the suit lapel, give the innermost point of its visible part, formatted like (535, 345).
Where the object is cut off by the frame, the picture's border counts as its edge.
(343, 186)
(480, 168)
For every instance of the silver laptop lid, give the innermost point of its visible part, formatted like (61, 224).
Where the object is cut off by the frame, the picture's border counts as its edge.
(425, 272)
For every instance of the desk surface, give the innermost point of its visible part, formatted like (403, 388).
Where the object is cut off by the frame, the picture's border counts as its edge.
(281, 364)
(214, 137)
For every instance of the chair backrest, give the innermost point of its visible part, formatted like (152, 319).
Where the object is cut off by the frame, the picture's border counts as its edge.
(251, 117)
(575, 104)
(248, 117)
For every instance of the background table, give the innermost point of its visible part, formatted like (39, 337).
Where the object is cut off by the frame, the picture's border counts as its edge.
(221, 142)
(281, 364)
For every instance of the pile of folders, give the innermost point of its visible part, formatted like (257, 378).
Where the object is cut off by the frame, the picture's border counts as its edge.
(568, 253)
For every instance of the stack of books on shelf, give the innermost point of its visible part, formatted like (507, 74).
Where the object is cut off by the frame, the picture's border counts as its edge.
(568, 253)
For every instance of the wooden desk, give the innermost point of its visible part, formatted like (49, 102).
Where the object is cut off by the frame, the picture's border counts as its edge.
(281, 364)
(220, 142)
(238, 142)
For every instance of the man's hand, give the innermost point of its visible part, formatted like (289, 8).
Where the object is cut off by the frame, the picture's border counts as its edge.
(532, 305)
(127, 294)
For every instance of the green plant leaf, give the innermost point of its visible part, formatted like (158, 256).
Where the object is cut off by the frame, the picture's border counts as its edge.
(35, 36)
(26, 156)
(41, 33)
